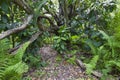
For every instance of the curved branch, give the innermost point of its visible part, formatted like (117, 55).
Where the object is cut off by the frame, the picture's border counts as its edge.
(53, 29)
(50, 21)
(18, 29)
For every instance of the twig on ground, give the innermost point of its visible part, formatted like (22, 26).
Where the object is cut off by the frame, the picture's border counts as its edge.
(83, 67)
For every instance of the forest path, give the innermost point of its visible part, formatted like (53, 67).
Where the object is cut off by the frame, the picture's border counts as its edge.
(58, 69)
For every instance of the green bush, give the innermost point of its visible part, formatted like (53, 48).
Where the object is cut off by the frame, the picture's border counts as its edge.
(60, 42)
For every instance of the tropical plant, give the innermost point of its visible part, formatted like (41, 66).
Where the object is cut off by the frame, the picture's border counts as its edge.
(60, 41)
(114, 24)
(92, 64)
(104, 55)
(11, 66)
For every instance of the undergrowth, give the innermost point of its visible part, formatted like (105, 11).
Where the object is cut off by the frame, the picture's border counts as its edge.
(104, 57)
(11, 65)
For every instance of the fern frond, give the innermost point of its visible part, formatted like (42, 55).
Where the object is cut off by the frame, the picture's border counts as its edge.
(114, 63)
(17, 69)
(110, 41)
(93, 48)
(90, 66)
(11, 66)
(19, 54)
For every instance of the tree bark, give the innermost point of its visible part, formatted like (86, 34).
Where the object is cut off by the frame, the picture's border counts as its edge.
(31, 40)
(16, 30)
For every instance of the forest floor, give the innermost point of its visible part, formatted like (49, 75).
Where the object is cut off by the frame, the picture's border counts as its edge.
(58, 69)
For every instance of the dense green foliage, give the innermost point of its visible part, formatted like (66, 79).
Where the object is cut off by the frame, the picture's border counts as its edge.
(11, 66)
(70, 26)
(105, 55)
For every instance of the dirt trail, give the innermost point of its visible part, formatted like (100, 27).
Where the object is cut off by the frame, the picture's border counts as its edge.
(55, 70)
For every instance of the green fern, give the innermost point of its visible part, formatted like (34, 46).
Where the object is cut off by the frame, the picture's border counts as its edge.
(11, 66)
(92, 65)
(114, 25)
(107, 55)
(110, 41)
(93, 48)
(114, 63)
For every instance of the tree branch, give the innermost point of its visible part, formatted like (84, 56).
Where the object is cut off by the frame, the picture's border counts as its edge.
(50, 21)
(31, 40)
(53, 29)
(15, 30)
(56, 17)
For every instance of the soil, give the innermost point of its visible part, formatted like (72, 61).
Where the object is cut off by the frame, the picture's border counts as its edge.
(58, 70)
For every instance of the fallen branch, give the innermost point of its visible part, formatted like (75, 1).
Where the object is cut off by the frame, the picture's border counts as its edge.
(97, 74)
(31, 40)
(83, 67)
(80, 64)
(15, 30)
(35, 36)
